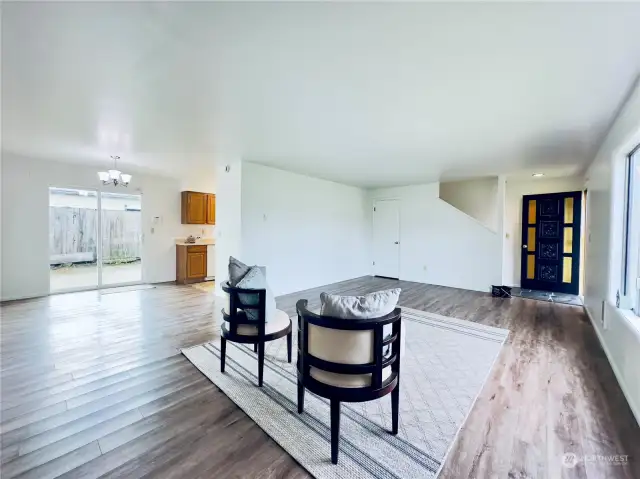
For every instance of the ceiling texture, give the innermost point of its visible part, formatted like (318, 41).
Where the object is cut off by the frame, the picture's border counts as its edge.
(364, 94)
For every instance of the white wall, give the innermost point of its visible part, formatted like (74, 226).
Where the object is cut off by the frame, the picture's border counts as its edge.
(478, 198)
(515, 190)
(307, 232)
(25, 221)
(228, 218)
(440, 244)
(605, 205)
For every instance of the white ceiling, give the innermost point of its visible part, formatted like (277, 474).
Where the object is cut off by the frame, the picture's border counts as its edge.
(366, 94)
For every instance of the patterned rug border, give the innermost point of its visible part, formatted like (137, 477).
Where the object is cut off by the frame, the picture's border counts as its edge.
(479, 331)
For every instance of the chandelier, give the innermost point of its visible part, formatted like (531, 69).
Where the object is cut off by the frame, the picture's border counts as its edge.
(114, 177)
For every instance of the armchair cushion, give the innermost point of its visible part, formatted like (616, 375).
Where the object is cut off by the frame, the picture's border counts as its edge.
(279, 322)
(346, 380)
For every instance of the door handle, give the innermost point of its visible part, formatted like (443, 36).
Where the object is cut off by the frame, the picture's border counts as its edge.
(396, 242)
(524, 246)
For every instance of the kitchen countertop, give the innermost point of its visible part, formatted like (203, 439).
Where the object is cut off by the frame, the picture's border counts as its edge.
(201, 241)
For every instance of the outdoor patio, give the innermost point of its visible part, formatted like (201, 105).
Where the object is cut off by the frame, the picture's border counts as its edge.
(86, 275)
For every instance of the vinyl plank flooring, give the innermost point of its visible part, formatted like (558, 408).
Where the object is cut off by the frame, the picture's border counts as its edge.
(63, 464)
(39, 450)
(93, 385)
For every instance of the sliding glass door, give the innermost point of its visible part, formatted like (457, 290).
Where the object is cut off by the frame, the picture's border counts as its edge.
(73, 239)
(95, 239)
(121, 239)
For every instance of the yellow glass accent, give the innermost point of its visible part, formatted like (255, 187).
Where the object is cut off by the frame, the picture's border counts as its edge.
(566, 269)
(532, 212)
(531, 266)
(568, 239)
(531, 241)
(568, 210)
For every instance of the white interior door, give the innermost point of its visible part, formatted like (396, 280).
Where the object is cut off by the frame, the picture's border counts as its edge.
(386, 238)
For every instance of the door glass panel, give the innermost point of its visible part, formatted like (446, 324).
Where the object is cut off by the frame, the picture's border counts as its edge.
(568, 240)
(121, 238)
(531, 266)
(566, 269)
(532, 212)
(568, 210)
(73, 237)
(531, 240)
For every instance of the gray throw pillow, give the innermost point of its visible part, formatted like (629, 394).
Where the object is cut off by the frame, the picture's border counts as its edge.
(255, 279)
(373, 305)
(237, 271)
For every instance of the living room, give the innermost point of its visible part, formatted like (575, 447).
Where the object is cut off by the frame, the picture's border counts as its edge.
(426, 236)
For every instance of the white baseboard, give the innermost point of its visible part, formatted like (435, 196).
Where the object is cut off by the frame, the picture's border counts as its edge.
(620, 378)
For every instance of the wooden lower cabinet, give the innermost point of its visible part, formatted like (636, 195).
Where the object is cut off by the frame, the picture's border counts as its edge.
(191, 263)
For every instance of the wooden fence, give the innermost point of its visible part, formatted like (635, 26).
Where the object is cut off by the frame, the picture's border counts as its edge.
(73, 235)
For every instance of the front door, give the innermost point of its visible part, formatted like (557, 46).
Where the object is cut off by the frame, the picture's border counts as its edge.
(386, 238)
(551, 242)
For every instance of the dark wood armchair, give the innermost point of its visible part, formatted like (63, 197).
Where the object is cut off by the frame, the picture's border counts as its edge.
(344, 360)
(240, 329)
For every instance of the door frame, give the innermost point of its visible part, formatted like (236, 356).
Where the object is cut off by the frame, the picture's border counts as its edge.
(99, 285)
(576, 255)
(373, 224)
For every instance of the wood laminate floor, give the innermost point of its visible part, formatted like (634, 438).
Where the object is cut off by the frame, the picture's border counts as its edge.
(93, 385)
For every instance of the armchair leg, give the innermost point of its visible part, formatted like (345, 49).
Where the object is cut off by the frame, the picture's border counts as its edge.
(395, 404)
(260, 362)
(289, 342)
(335, 430)
(300, 397)
(255, 348)
(223, 353)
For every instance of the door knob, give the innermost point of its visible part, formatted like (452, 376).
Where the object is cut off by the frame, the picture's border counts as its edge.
(396, 242)
(524, 246)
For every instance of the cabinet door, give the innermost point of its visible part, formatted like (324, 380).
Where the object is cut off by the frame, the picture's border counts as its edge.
(196, 208)
(196, 265)
(211, 209)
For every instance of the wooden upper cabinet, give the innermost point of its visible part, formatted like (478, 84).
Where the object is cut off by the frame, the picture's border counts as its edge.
(194, 208)
(211, 209)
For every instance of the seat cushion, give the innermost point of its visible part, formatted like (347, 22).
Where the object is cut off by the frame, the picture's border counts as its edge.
(346, 380)
(279, 322)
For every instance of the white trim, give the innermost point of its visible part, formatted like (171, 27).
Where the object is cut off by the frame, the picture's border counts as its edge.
(632, 319)
(635, 409)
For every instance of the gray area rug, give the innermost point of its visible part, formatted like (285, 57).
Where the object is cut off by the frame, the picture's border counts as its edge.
(445, 364)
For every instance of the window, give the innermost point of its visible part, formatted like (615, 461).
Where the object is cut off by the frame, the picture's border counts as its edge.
(630, 293)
